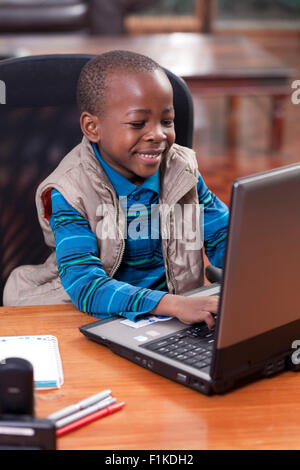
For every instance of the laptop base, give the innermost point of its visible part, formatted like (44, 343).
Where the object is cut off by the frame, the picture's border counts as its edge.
(154, 365)
(207, 385)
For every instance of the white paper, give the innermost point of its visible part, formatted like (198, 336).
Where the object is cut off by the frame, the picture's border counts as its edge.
(41, 351)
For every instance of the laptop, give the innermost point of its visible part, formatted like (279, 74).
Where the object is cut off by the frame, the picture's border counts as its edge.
(258, 319)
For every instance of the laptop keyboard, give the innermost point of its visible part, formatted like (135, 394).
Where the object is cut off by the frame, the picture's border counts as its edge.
(192, 346)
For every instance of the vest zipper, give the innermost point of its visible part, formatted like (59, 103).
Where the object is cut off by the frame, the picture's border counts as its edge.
(171, 277)
(117, 265)
(170, 273)
(169, 269)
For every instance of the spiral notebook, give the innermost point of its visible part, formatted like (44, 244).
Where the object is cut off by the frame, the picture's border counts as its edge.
(43, 353)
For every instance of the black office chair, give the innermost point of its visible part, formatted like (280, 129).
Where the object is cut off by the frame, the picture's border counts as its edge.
(39, 124)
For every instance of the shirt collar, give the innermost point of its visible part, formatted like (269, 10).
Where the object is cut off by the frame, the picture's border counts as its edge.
(122, 185)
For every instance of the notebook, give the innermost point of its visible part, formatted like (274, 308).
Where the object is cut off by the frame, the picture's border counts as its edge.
(258, 318)
(43, 353)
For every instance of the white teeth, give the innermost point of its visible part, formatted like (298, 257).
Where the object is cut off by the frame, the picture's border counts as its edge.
(148, 155)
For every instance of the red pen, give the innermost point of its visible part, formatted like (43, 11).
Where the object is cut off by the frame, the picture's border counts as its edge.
(88, 419)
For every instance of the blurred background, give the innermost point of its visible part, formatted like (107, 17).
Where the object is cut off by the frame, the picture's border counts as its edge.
(273, 25)
(37, 26)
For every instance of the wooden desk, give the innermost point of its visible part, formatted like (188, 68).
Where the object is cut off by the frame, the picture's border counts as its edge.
(159, 414)
(212, 65)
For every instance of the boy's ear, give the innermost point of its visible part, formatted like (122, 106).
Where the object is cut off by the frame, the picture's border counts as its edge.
(90, 126)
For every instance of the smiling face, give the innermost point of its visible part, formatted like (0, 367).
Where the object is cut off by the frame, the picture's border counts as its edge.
(136, 128)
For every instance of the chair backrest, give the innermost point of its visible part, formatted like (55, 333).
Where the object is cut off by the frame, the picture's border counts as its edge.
(39, 125)
(44, 16)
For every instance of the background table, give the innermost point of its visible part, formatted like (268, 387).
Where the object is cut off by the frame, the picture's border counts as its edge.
(159, 414)
(211, 64)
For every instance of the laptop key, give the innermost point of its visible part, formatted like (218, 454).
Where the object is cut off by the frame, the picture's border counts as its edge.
(181, 357)
(200, 364)
(179, 335)
(208, 353)
(191, 361)
(158, 345)
(191, 354)
(162, 350)
(180, 350)
(201, 358)
(171, 354)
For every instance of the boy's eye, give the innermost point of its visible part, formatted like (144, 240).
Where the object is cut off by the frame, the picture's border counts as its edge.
(137, 124)
(168, 122)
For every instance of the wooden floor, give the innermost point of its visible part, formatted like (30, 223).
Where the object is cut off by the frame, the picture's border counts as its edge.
(220, 164)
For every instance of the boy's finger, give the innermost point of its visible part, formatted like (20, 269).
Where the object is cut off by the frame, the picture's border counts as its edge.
(209, 319)
(212, 304)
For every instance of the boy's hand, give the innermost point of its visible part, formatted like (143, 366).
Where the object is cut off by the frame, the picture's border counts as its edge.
(189, 310)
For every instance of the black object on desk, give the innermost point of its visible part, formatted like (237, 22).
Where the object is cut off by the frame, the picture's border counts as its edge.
(16, 387)
(19, 429)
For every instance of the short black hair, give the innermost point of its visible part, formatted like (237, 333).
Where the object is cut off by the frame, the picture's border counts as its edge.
(92, 83)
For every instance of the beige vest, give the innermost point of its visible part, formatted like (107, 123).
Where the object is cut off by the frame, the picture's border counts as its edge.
(81, 180)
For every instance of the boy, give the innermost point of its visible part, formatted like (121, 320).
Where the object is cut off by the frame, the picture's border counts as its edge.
(126, 166)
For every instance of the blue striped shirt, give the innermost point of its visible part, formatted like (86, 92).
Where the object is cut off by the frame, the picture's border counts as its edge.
(140, 282)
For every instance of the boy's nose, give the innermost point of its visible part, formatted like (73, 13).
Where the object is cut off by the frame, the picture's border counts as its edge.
(156, 134)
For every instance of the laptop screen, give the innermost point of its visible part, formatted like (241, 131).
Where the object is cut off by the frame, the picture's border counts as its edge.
(261, 280)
